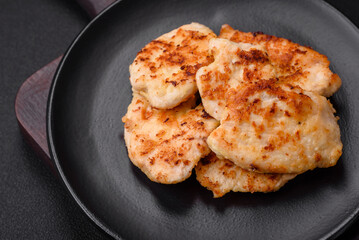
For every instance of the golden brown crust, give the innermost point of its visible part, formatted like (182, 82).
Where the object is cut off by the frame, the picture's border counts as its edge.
(310, 68)
(273, 127)
(241, 105)
(234, 64)
(164, 70)
(166, 144)
(221, 176)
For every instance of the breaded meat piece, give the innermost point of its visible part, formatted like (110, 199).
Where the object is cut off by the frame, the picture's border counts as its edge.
(164, 70)
(167, 144)
(272, 127)
(234, 64)
(299, 65)
(222, 176)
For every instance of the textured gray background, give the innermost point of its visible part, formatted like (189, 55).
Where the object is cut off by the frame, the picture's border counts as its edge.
(33, 203)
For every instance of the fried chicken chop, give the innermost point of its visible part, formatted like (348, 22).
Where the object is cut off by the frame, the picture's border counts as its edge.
(234, 64)
(264, 90)
(221, 176)
(167, 144)
(273, 127)
(164, 70)
(241, 58)
(299, 65)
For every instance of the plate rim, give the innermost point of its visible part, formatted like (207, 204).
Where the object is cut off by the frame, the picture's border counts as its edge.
(49, 125)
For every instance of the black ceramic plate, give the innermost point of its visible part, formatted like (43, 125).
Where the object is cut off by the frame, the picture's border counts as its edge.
(91, 92)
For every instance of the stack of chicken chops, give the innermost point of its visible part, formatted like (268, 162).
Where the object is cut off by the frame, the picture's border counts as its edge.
(261, 116)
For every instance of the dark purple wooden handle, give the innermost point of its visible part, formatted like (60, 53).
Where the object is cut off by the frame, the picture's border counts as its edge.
(31, 99)
(94, 7)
